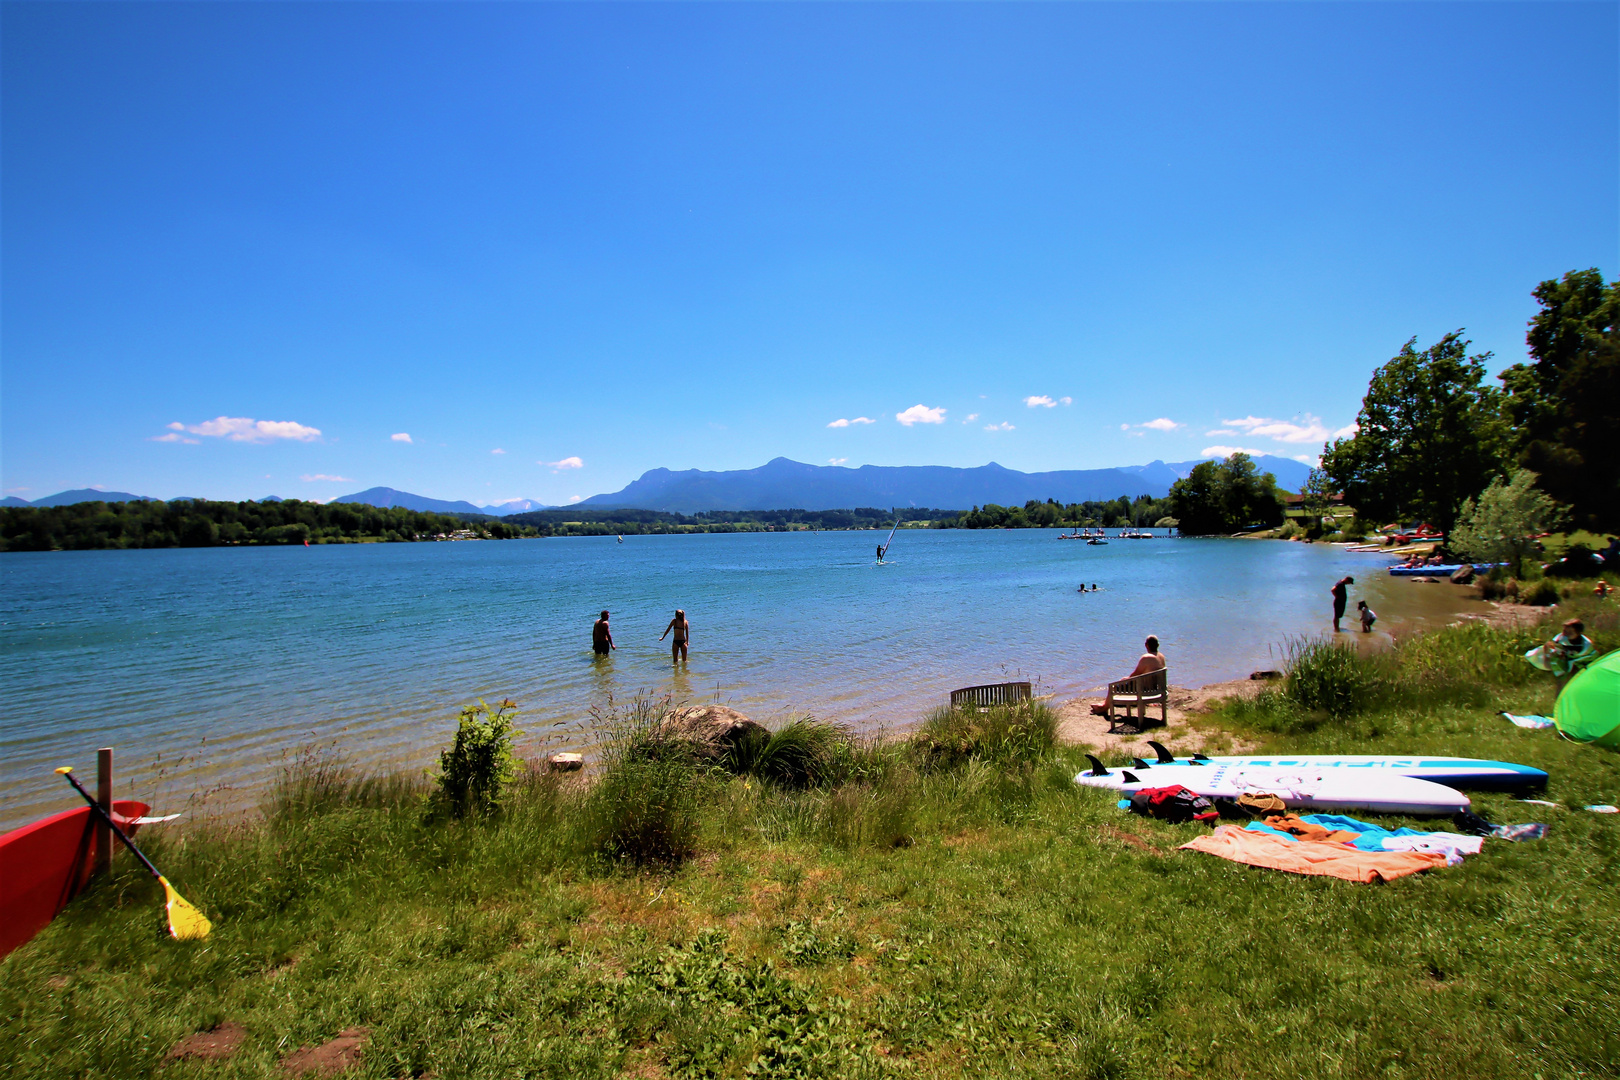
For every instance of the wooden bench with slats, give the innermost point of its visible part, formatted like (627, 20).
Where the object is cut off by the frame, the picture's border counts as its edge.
(991, 694)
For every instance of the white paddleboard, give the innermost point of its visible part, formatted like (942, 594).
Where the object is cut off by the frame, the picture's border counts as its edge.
(1457, 772)
(1301, 789)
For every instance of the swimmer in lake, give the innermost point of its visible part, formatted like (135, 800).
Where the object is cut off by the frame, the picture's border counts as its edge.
(602, 637)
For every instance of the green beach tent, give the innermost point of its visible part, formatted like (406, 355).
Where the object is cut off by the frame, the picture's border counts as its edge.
(1589, 708)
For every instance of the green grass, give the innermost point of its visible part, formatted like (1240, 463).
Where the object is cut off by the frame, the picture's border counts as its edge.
(912, 911)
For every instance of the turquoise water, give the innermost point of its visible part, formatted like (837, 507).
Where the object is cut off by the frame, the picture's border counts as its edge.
(202, 667)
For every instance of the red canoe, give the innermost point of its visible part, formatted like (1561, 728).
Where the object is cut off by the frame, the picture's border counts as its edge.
(44, 865)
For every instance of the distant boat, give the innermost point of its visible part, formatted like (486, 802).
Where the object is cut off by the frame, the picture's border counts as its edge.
(1096, 540)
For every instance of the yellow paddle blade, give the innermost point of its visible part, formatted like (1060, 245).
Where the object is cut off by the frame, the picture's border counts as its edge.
(186, 923)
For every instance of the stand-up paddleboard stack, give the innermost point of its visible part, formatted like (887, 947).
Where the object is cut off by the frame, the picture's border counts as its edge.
(1388, 784)
(1301, 788)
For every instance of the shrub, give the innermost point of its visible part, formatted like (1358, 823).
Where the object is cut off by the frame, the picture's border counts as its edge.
(644, 808)
(802, 753)
(1541, 593)
(1003, 733)
(1492, 587)
(1334, 679)
(479, 763)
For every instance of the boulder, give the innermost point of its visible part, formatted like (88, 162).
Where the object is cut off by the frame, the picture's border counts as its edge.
(566, 762)
(712, 730)
(1463, 575)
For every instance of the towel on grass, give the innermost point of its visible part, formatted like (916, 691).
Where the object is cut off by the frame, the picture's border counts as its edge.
(1366, 836)
(1323, 859)
(1530, 721)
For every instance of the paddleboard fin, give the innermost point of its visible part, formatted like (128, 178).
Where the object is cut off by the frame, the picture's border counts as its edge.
(1200, 757)
(1097, 768)
(1165, 756)
(1139, 763)
(1130, 777)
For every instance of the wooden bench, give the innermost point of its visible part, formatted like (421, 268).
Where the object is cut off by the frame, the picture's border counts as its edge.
(992, 694)
(1138, 692)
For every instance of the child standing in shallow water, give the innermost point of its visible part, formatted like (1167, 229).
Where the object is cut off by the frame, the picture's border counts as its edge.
(1368, 617)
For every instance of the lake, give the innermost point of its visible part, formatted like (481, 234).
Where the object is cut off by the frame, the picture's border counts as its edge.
(203, 667)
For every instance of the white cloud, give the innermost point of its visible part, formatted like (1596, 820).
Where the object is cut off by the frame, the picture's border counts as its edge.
(1228, 451)
(1347, 431)
(1065, 401)
(575, 498)
(1124, 427)
(972, 416)
(17, 490)
(320, 478)
(1303, 429)
(565, 463)
(837, 460)
(1003, 426)
(1161, 424)
(921, 414)
(1310, 459)
(841, 422)
(497, 450)
(243, 429)
(1221, 433)
(1039, 401)
(174, 436)
(401, 436)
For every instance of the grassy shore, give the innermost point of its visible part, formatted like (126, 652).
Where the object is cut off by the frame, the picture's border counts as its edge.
(820, 906)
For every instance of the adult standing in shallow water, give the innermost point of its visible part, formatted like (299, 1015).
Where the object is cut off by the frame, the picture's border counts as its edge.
(602, 637)
(683, 629)
(1340, 599)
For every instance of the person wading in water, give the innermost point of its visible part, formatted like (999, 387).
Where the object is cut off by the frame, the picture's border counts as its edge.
(1340, 599)
(683, 630)
(602, 637)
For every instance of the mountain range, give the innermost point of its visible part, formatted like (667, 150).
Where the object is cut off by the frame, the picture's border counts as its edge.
(782, 484)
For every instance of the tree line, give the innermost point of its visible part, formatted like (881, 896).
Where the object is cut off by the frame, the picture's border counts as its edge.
(1124, 512)
(202, 523)
(1436, 442)
(575, 522)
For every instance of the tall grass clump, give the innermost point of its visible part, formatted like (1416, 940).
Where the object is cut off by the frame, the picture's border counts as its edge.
(478, 765)
(644, 807)
(318, 779)
(1005, 734)
(1325, 677)
(802, 753)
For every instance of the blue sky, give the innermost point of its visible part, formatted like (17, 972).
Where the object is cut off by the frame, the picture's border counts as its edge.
(497, 251)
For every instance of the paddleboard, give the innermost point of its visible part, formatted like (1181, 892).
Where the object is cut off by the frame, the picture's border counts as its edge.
(44, 865)
(1476, 773)
(1301, 789)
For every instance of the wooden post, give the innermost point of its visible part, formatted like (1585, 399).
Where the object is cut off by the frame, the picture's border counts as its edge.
(104, 795)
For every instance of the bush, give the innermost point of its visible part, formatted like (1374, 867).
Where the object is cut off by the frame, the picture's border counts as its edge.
(1004, 733)
(644, 809)
(1492, 587)
(480, 763)
(802, 753)
(1542, 593)
(1331, 678)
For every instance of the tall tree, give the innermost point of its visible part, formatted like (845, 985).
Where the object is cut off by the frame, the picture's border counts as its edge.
(1429, 435)
(1225, 496)
(1565, 405)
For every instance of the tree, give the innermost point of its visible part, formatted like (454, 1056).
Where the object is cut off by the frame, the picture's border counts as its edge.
(1500, 527)
(1565, 406)
(1317, 495)
(1429, 435)
(1225, 496)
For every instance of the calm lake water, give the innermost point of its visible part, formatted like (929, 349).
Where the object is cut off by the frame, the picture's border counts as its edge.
(203, 667)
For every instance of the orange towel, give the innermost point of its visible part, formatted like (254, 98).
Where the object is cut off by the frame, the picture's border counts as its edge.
(1313, 857)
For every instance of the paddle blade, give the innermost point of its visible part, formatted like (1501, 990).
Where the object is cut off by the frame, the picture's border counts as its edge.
(186, 923)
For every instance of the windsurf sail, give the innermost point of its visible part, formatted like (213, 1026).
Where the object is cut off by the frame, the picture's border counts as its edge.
(884, 551)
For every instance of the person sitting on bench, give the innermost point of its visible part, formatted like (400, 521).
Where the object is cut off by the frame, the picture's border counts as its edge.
(1152, 660)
